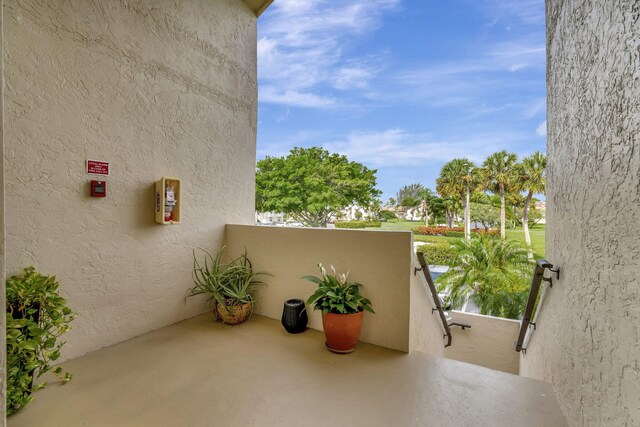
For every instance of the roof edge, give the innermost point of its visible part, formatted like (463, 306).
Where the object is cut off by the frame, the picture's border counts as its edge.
(258, 6)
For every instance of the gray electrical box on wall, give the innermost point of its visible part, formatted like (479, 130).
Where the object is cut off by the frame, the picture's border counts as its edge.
(168, 201)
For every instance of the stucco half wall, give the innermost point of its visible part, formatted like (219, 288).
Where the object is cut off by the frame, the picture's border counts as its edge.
(587, 338)
(381, 260)
(426, 330)
(489, 342)
(156, 88)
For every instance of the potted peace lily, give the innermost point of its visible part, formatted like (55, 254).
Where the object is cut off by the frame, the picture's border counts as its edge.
(342, 308)
(230, 284)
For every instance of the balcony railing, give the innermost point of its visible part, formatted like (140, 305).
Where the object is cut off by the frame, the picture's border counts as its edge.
(436, 299)
(527, 324)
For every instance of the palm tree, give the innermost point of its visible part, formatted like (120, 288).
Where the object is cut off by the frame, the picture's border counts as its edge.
(491, 272)
(459, 177)
(451, 207)
(499, 170)
(426, 195)
(532, 179)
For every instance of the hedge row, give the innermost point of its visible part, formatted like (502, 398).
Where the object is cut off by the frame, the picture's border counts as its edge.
(440, 253)
(436, 231)
(450, 232)
(358, 224)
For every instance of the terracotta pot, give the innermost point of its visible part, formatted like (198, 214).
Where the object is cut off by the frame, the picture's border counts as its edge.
(342, 331)
(233, 315)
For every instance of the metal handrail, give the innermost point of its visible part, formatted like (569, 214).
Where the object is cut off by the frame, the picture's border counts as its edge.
(434, 294)
(538, 276)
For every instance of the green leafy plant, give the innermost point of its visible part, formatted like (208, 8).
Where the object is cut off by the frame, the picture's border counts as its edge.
(387, 216)
(493, 273)
(437, 253)
(337, 295)
(311, 184)
(36, 317)
(229, 284)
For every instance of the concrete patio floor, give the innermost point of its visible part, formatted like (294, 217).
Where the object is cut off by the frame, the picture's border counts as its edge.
(200, 373)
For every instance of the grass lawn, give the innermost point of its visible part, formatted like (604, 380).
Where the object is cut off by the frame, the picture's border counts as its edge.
(537, 234)
(400, 225)
(537, 239)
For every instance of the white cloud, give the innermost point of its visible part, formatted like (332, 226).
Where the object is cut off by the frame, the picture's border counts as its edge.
(302, 44)
(541, 130)
(352, 77)
(275, 95)
(283, 117)
(530, 12)
(536, 107)
(396, 147)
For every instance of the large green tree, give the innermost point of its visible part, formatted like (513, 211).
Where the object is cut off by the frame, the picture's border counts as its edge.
(414, 195)
(485, 214)
(311, 184)
(500, 174)
(532, 180)
(410, 195)
(460, 177)
(491, 272)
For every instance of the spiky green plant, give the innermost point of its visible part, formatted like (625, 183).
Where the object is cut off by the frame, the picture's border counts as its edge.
(227, 281)
(493, 273)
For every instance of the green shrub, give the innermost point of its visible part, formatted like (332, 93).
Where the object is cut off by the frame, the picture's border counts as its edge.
(483, 232)
(435, 231)
(387, 216)
(358, 224)
(437, 253)
(36, 317)
(454, 233)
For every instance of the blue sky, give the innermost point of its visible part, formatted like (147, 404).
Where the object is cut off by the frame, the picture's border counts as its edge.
(402, 85)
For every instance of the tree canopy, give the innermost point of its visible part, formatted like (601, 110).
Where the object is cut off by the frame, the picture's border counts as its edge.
(311, 184)
(410, 195)
(485, 214)
(460, 177)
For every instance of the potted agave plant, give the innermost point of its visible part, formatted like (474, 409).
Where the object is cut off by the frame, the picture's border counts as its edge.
(230, 283)
(342, 308)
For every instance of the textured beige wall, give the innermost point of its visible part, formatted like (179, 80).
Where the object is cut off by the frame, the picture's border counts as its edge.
(425, 330)
(489, 342)
(3, 351)
(587, 341)
(380, 260)
(157, 88)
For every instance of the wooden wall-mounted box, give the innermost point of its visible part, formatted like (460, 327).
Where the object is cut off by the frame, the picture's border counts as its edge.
(168, 201)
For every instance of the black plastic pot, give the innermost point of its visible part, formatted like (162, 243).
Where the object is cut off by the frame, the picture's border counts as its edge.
(294, 316)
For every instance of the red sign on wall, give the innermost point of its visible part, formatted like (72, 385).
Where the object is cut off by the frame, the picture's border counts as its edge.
(98, 168)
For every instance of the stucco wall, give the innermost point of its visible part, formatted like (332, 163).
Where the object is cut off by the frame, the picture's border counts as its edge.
(425, 330)
(489, 342)
(3, 351)
(380, 260)
(587, 341)
(157, 88)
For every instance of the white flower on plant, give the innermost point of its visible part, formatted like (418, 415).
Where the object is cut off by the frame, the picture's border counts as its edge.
(322, 270)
